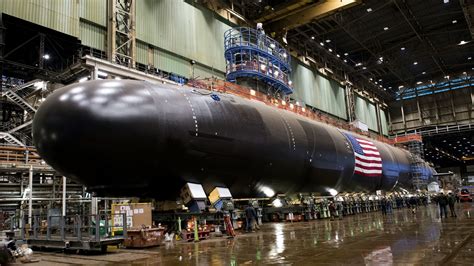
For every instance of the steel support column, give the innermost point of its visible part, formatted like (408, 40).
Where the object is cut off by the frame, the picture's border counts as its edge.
(403, 117)
(351, 115)
(2, 48)
(30, 195)
(41, 51)
(452, 106)
(64, 197)
(121, 46)
(379, 122)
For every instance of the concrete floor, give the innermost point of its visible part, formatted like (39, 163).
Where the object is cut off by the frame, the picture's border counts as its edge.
(372, 239)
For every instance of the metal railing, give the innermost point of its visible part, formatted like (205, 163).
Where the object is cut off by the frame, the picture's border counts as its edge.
(437, 130)
(19, 155)
(242, 36)
(250, 53)
(93, 227)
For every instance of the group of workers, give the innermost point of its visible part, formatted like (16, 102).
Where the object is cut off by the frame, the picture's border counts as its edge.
(251, 219)
(444, 201)
(386, 206)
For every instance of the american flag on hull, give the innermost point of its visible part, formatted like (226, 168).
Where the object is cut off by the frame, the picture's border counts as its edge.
(367, 157)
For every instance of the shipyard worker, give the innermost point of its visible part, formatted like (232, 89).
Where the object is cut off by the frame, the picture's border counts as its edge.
(332, 209)
(451, 202)
(443, 202)
(340, 209)
(389, 205)
(413, 204)
(384, 206)
(250, 216)
(260, 28)
(260, 36)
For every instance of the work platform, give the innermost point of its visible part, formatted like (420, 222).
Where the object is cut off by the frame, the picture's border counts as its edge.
(73, 232)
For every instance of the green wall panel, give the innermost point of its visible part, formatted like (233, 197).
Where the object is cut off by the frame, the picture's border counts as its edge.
(365, 112)
(201, 72)
(94, 11)
(142, 53)
(176, 26)
(171, 63)
(318, 91)
(59, 15)
(92, 35)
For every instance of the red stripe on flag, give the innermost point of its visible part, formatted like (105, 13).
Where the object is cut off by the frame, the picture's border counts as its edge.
(368, 161)
(369, 167)
(365, 174)
(370, 149)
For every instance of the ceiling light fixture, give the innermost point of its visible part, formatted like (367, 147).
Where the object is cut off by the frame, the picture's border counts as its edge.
(369, 9)
(415, 63)
(330, 50)
(312, 37)
(462, 42)
(328, 41)
(321, 43)
(345, 61)
(385, 28)
(423, 72)
(419, 82)
(455, 21)
(403, 48)
(346, 54)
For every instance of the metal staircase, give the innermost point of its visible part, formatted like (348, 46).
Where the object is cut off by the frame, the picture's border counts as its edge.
(22, 126)
(9, 138)
(19, 133)
(14, 97)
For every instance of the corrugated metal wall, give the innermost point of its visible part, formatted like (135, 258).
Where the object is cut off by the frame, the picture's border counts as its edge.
(317, 91)
(179, 27)
(170, 62)
(94, 11)
(92, 35)
(178, 32)
(365, 112)
(59, 15)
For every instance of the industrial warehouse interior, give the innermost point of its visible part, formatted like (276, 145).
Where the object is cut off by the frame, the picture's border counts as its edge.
(237, 132)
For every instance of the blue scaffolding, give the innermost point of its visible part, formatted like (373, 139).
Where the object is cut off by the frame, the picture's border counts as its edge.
(252, 54)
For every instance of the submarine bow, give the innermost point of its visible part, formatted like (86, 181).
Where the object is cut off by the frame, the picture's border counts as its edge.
(133, 138)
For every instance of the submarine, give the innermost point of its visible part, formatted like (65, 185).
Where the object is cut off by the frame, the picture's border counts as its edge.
(134, 138)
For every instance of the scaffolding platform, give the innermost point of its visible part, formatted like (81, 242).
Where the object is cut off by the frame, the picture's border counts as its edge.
(249, 53)
(73, 232)
(87, 245)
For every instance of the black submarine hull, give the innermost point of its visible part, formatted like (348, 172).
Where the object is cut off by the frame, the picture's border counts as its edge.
(133, 138)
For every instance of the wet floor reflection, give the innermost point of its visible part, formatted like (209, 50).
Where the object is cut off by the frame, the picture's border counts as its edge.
(370, 239)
